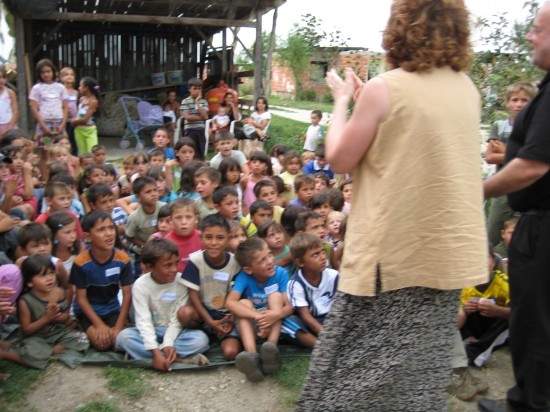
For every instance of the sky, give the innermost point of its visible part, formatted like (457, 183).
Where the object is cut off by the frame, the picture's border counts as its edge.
(363, 24)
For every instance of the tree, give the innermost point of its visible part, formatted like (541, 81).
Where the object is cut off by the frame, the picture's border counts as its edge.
(507, 59)
(296, 54)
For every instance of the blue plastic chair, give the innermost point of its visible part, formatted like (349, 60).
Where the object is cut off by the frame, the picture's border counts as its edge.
(147, 119)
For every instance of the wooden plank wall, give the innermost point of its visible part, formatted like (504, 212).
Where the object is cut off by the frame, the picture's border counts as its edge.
(118, 60)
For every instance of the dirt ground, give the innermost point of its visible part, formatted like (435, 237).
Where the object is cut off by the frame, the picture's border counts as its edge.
(222, 389)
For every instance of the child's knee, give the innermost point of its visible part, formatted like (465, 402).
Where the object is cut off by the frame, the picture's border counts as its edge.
(247, 303)
(230, 348)
(186, 314)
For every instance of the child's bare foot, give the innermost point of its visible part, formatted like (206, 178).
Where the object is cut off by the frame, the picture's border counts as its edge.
(59, 348)
(198, 359)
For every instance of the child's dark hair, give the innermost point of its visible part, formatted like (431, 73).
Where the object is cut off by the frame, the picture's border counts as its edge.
(83, 182)
(184, 204)
(227, 165)
(64, 178)
(110, 170)
(98, 147)
(156, 173)
(258, 205)
(279, 184)
(187, 180)
(90, 220)
(57, 221)
(33, 232)
(245, 251)
(194, 82)
(336, 199)
(97, 191)
(288, 218)
(263, 183)
(323, 177)
(320, 151)
(141, 156)
(55, 188)
(45, 63)
(223, 135)
(35, 265)
(265, 102)
(264, 228)
(157, 153)
(301, 243)
(320, 199)
(292, 155)
(164, 212)
(220, 194)
(302, 180)
(185, 141)
(346, 182)
(264, 158)
(279, 150)
(57, 167)
(212, 174)
(155, 249)
(92, 85)
(140, 183)
(215, 220)
(162, 128)
(317, 113)
(302, 219)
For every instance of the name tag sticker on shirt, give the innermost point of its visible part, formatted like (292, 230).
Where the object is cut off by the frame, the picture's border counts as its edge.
(112, 272)
(221, 276)
(271, 289)
(168, 296)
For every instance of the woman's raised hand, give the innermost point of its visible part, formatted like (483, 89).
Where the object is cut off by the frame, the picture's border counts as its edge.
(346, 88)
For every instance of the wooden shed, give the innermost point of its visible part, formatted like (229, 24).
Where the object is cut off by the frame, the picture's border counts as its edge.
(122, 43)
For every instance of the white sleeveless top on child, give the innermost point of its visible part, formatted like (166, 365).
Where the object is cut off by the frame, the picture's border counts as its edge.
(6, 113)
(82, 110)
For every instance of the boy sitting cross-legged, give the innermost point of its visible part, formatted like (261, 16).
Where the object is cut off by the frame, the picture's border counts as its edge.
(260, 303)
(312, 288)
(156, 297)
(98, 274)
(208, 276)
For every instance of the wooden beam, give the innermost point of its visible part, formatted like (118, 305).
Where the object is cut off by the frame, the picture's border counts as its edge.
(224, 54)
(135, 18)
(47, 38)
(258, 83)
(22, 91)
(236, 3)
(269, 59)
(248, 53)
(207, 41)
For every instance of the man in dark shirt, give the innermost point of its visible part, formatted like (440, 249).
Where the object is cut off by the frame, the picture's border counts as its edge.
(526, 180)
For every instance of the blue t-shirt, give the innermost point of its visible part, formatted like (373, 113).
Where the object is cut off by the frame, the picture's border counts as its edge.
(257, 292)
(102, 280)
(313, 167)
(169, 153)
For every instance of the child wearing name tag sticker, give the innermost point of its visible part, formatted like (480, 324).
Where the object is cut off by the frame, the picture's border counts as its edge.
(157, 296)
(259, 301)
(208, 276)
(98, 274)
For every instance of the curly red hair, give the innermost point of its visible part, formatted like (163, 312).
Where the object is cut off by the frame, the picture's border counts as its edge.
(424, 34)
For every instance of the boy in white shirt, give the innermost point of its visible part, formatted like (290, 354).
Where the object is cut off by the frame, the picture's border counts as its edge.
(156, 297)
(314, 133)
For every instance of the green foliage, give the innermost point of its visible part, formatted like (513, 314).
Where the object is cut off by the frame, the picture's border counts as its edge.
(506, 61)
(98, 406)
(307, 95)
(296, 55)
(128, 381)
(292, 377)
(286, 131)
(325, 106)
(15, 388)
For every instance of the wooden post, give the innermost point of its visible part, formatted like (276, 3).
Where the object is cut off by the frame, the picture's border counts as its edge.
(224, 54)
(269, 59)
(258, 84)
(22, 90)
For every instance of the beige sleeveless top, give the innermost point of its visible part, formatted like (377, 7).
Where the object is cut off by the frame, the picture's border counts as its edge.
(417, 211)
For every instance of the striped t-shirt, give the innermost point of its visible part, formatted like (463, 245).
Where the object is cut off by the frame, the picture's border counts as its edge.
(190, 106)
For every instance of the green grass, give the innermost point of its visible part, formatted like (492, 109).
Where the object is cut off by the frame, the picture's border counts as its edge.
(127, 381)
(300, 104)
(291, 377)
(98, 406)
(286, 131)
(14, 390)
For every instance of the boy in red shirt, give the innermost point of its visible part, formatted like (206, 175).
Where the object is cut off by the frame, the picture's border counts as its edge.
(184, 233)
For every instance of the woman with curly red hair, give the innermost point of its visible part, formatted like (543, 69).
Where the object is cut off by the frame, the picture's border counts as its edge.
(416, 233)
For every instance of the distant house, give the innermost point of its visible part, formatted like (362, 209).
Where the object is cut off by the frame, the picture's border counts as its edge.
(322, 60)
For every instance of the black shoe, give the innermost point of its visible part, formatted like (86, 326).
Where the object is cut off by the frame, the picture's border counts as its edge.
(493, 405)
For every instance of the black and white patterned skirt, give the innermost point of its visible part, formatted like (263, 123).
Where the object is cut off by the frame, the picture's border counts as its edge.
(386, 353)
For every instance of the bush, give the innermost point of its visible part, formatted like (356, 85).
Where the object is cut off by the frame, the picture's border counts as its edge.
(308, 95)
(327, 98)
